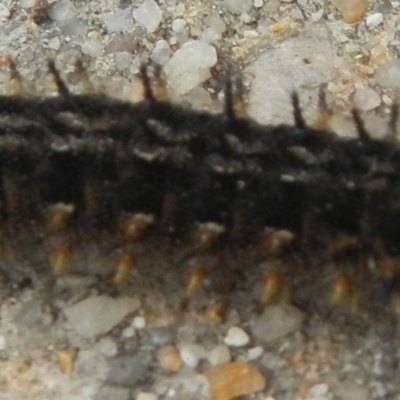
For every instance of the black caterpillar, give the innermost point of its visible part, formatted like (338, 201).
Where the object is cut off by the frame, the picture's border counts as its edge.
(79, 170)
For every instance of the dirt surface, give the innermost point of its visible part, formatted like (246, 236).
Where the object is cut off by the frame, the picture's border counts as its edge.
(71, 337)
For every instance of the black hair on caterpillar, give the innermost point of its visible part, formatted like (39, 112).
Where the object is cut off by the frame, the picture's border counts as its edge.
(103, 185)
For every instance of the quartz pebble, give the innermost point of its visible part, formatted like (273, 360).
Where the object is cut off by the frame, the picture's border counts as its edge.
(139, 322)
(277, 321)
(366, 99)
(374, 20)
(234, 379)
(98, 315)
(219, 355)
(161, 52)
(107, 347)
(388, 74)
(27, 3)
(119, 21)
(238, 6)
(351, 10)
(255, 353)
(62, 10)
(191, 354)
(146, 396)
(149, 15)
(123, 60)
(190, 66)
(92, 47)
(236, 337)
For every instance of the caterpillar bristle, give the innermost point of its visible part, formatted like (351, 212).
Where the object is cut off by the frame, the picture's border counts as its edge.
(60, 84)
(299, 120)
(360, 126)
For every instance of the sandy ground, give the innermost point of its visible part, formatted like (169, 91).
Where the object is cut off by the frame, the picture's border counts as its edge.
(68, 338)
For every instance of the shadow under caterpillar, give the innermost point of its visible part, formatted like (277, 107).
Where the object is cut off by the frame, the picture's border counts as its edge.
(100, 185)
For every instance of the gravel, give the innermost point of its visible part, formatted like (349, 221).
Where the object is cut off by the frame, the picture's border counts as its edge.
(98, 315)
(277, 46)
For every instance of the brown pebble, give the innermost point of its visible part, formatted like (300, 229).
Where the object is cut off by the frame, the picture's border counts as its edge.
(66, 360)
(234, 379)
(169, 358)
(351, 10)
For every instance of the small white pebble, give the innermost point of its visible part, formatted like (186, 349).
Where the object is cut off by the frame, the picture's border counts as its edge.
(62, 10)
(149, 15)
(250, 34)
(139, 322)
(92, 47)
(210, 35)
(161, 52)
(107, 347)
(374, 20)
(258, 3)
(54, 43)
(255, 352)
(366, 99)
(317, 15)
(128, 332)
(123, 60)
(178, 25)
(246, 18)
(191, 354)
(27, 3)
(146, 396)
(319, 390)
(219, 355)
(236, 337)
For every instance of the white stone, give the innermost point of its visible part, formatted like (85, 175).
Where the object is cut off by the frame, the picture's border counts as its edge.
(92, 47)
(317, 15)
(149, 15)
(119, 21)
(374, 20)
(123, 60)
(139, 322)
(27, 3)
(366, 99)
(98, 315)
(236, 337)
(190, 66)
(277, 321)
(178, 25)
(146, 396)
(219, 355)
(161, 52)
(107, 347)
(320, 390)
(210, 35)
(54, 43)
(258, 3)
(388, 74)
(255, 352)
(128, 332)
(191, 354)
(62, 10)
(238, 6)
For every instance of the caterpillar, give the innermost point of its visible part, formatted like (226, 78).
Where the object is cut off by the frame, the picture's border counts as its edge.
(95, 184)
